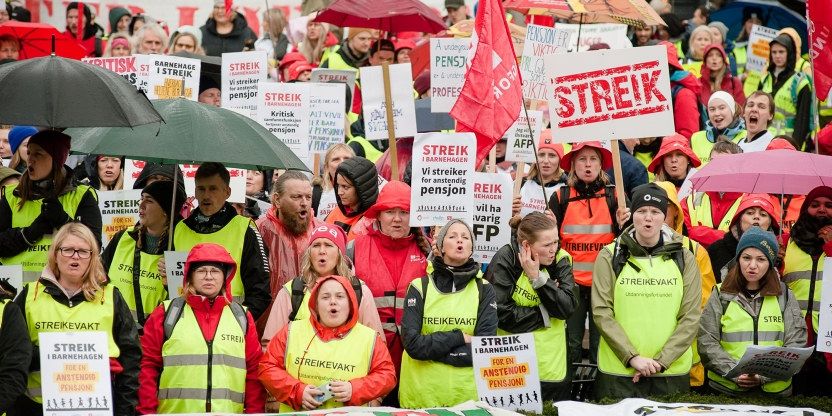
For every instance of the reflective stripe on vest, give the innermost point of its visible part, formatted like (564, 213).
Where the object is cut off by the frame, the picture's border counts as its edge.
(2, 311)
(370, 152)
(424, 383)
(583, 235)
(655, 291)
(232, 237)
(699, 208)
(150, 281)
(702, 146)
(797, 274)
(315, 362)
(785, 102)
(45, 314)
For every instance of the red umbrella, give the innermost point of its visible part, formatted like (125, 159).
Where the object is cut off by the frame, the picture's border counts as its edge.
(36, 40)
(386, 15)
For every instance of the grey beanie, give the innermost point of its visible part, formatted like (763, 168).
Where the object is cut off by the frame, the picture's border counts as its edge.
(440, 236)
(722, 29)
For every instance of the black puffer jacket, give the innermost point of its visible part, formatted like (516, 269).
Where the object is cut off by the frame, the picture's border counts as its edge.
(216, 44)
(364, 176)
(15, 354)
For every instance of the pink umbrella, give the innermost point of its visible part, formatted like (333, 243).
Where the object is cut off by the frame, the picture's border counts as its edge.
(386, 15)
(782, 172)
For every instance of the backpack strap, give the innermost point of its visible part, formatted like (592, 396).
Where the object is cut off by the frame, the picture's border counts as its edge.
(172, 315)
(563, 204)
(351, 251)
(297, 296)
(240, 315)
(612, 204)
(356, 287)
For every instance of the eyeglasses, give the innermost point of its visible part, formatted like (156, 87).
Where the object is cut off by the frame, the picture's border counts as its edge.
(204, 272)
(70, 252)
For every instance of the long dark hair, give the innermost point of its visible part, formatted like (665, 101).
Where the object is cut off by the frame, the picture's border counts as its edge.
(26, 188)
(735, 282)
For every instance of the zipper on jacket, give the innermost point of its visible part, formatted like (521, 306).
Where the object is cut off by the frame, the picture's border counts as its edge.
(810, 304)
(755, 319)
(210, 359)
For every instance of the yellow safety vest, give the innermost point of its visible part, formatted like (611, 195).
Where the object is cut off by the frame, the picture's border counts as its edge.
(654, 293)
(150, 281)
(798, 275)
(45, 314)
(33, 259)
(315, 362)
(699, 207)
(232, 237)
(550, 342)
(426, 383)
(785, 102)
(333, 60)
(697, 371)
(207, 376)
(694, 67)
(702, 146)
(751, 83)
(741, 56)
(370, 152)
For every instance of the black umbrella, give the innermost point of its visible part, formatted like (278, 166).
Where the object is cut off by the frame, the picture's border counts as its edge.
(59, 92)
(211, 66)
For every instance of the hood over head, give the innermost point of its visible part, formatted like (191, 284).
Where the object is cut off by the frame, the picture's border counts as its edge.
(364, 177)
(791, 53)
(395, 194)
(765, 201)
(673, 197)
(211, 253)
(327, 333)
(706, 72)
(670, 144)
(117, 13)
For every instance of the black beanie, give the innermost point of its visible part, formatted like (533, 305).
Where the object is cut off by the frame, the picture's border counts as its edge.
(162, 192)
(649, 194)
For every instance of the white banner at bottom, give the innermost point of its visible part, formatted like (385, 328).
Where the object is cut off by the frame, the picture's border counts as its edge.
(638, 407)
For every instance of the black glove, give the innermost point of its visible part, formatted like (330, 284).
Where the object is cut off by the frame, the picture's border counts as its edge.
(54, 213)
(37, 230)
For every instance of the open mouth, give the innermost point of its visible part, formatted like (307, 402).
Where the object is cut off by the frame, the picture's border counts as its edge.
(718, 120)
(302, 214)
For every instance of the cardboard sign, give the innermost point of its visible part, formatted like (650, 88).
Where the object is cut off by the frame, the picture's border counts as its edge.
(119, 210)
(375, 111)
(776, 363)
(613, 34)
(324, 75)
(540, 41)
(758, 48)
(610, 94)
(284, 110)
(75, 373)
(824, 339)
(124, 66)
(175, 272)
(12, 275)
(442, 186)
(492, 210)
(238, 182)
(241, 74)
(505, 369)
(168, 73)
(637, 407)
(522, 143)
(448, 58)
(326, 116)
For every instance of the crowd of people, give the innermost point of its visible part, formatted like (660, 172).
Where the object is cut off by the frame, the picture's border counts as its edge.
(329, 297)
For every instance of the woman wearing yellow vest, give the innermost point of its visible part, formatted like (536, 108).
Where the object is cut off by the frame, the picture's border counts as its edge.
(792, 91)
(132, 257)
(532, 277)
(700, 38)
(442, 311)
(201, 350)
(674, 162)
(750, 307)
(725, 123)
(15, 350)
(329, 360)
(646, 294)
(73, 292)
(43, 201)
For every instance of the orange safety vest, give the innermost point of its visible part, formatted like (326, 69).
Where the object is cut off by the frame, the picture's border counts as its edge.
(337, 218)
(791, 210)
(586, 228)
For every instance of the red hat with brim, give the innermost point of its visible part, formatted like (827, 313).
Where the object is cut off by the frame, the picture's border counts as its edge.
(291, 58)
(606, 155)
(672, 144)
(298, 68)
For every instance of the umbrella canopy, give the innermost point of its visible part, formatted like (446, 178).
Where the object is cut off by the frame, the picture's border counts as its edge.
(36, 40)
(630, 12)
(59, 92)
(786, 172)
(193, 133)
(387, 15)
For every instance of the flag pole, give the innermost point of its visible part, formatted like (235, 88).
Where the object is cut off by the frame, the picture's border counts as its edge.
(391, 128)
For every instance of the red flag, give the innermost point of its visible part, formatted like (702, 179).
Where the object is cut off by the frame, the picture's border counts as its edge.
(79, 32)
(228, 7)
(491, 98)
(820, 44)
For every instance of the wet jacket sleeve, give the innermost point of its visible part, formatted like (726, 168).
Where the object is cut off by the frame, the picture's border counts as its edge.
(512, 317)
(272, 373)
(686, 113)
(13, 241)
(15, 354)
(255, 396)
(89, 214)
(714, 357)
(603, 280)
(687, 319)
(706, 271)
(254, 270)
(126, 336)
(435, 346)
(558, 295)
(701, 234)
(793, 322)
(151, 367)
(20, 301)
(379, 381)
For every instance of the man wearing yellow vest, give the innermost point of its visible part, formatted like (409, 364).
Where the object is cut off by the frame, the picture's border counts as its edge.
(216, 221)
(352, 53)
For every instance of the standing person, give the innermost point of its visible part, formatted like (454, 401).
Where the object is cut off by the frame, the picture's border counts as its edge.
(119, 18)
(86, 35)
(225, 32)
(356, 190)
(642, 35)
(172, 381)
(274, 42)
(43, 201)
(216, 221)
(532, 196)
(700, 38)
(314, 41)
(15, 351)
(755, 210)
(118, 45)
(716, 76)
(323, 194)
(719, 34)
(19, 145)
(532, 278)
(132, 257)
(187, 41)
(352, 53)
(73, 290)
(635, 360)
(757, 115)
(588, 219)
(443, 310)
(457, 12)
(684, 89)
(151, 39)
(724, 123)
(674, 163)
(337, 354)
(792, 92)
(104, 173)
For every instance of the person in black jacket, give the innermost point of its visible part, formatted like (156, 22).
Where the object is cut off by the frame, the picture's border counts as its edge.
(225, 32)
(15, 351)
(532, 277)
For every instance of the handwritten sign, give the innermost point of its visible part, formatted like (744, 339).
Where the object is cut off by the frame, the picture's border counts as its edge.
(540, 41)
(448, 57)
(375, 110)
(521, 143)
(326, 116)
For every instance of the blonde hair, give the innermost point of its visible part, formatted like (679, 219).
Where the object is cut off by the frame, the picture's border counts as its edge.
(698, 30)
(95, 276)
(327, 181)
(313, 52)
(108, 51)
(197, 46)
(310, 276)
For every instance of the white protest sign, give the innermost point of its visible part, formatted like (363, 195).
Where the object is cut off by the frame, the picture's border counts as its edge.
(123, 65)
(375, 111)
(442, 186)
(448, 57)
(532, 198)
(143, 68)
(492, 210)
(327, 103)
(540, 41)
(521, 143)
(166, 75)
(638, 407)
(824, 340)
(610, 94)
(758, 48)
(241, 74)
(505, 370)
(132, 170)
(238, 182)
(75, 373)
(325, 75)
(328, 204)
(613, 34)
(119, 210)
(777, 363)
(284, 110)
(175, 272)
(12, 275)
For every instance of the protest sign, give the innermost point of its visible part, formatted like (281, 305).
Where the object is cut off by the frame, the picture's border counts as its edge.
(238, 182)
(492, 210)
(326, 116)
(375, 110)
(119, 210)
(532, 198)
(168, 73)
(758, 48)
(328, 204)
(824, 340)
(642, 407)
(325, 75)
(442, 186)
(123, 65)
(175, 272)
(613, 34)
(12, 275)
(448, 57)
(610, 94)
(284, 110)
(132, 170)
(521, 143)
(143, 71)
(540, 41)
(776, 363)
(505, 370)
(241, 74)
(75, 373)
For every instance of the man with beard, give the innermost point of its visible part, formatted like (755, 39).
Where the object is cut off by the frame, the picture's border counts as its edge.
(216, 221)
